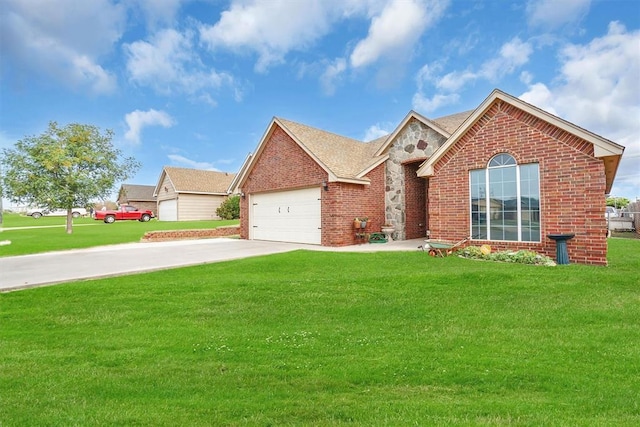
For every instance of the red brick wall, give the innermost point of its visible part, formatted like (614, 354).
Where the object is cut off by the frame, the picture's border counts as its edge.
(572, 182)
(415, 202)
(283, 165)
(344, 202)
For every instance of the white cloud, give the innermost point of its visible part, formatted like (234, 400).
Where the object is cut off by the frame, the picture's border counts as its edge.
(378, 130)
(387, 38)
(421, 102)
(332, 74)
(168, 63)
(63, 39)
(553, 14)
(512, 55)
(598, 88)
(185, 162)
(137, 120)
(270, 28)
(159, 12)
(455, 80)
(540, 96)
(266, 29)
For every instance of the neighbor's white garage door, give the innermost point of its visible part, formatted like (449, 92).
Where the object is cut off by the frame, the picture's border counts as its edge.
(168, 210)
(286, 216)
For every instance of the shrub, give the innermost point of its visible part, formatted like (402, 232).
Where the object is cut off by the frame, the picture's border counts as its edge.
(519, 257)
(230, 208)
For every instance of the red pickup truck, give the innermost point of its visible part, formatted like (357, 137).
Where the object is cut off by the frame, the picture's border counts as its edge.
(125, 212)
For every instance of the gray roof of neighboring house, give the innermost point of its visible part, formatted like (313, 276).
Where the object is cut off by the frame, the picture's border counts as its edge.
(186, 180)
(143, 193)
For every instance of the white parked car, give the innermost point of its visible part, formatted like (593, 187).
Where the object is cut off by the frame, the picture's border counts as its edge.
(610, 212)
(40, 212)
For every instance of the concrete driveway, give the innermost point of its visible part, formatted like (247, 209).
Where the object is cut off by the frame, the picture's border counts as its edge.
(26, 271)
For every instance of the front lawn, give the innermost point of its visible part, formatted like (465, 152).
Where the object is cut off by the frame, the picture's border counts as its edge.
(87, 232)
(329, 339)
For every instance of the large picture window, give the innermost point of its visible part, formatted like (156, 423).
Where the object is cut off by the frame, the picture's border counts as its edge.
(505, 201)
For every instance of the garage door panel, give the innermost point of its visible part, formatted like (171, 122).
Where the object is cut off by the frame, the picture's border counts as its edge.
(287, 216)
(168, 210)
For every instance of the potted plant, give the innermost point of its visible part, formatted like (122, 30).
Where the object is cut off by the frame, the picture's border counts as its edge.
(360, 222)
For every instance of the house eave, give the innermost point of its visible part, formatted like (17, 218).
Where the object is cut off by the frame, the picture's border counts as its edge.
(602, 146)
(346, 180)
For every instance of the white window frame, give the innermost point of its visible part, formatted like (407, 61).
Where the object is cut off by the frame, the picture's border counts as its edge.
(487, 200)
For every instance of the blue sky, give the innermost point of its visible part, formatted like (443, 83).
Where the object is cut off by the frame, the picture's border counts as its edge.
(195, 83)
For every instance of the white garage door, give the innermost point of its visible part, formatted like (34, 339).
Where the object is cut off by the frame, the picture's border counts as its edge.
(168, 210)
(286, 216)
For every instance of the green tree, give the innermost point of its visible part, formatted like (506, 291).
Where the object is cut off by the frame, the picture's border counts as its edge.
(618, 202)
(230, 208)
(64, 167)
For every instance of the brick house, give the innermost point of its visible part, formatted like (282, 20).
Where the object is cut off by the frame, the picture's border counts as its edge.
(506, 173)
(140, 196)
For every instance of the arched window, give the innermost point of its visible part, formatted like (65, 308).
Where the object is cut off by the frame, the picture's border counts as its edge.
(505, 200)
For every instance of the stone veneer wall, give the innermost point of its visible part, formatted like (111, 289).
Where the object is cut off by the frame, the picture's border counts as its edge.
(415, 143)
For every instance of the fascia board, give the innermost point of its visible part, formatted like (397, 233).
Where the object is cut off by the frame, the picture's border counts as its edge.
(235, 183)
(156, 190)
(351, 181)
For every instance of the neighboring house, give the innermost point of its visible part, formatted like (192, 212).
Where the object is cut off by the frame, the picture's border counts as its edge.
(140, 196)
(190, 194)
(536, 173)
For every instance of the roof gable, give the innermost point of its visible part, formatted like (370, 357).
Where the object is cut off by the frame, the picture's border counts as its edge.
(603, 148)
(443, 125)
(196, 181)
(341, 156)
(344, 159)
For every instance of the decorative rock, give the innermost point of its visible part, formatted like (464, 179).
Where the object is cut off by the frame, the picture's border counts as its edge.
(418, 142)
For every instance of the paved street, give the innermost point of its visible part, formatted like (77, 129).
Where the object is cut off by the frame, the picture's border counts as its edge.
(20, 272)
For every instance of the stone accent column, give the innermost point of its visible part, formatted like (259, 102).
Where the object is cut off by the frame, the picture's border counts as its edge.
(415, 142)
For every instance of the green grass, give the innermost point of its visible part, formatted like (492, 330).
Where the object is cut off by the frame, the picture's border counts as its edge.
(87, 232)
(330, 339)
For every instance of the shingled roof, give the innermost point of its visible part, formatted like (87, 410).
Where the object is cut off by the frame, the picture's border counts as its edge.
(140, 193)
(452, 122)
(344, 157)
(186, 180)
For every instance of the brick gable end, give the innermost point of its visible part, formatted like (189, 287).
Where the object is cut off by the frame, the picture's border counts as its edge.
(572, 181)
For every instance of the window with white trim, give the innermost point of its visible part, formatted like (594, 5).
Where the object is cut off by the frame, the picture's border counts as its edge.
(505, 201)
